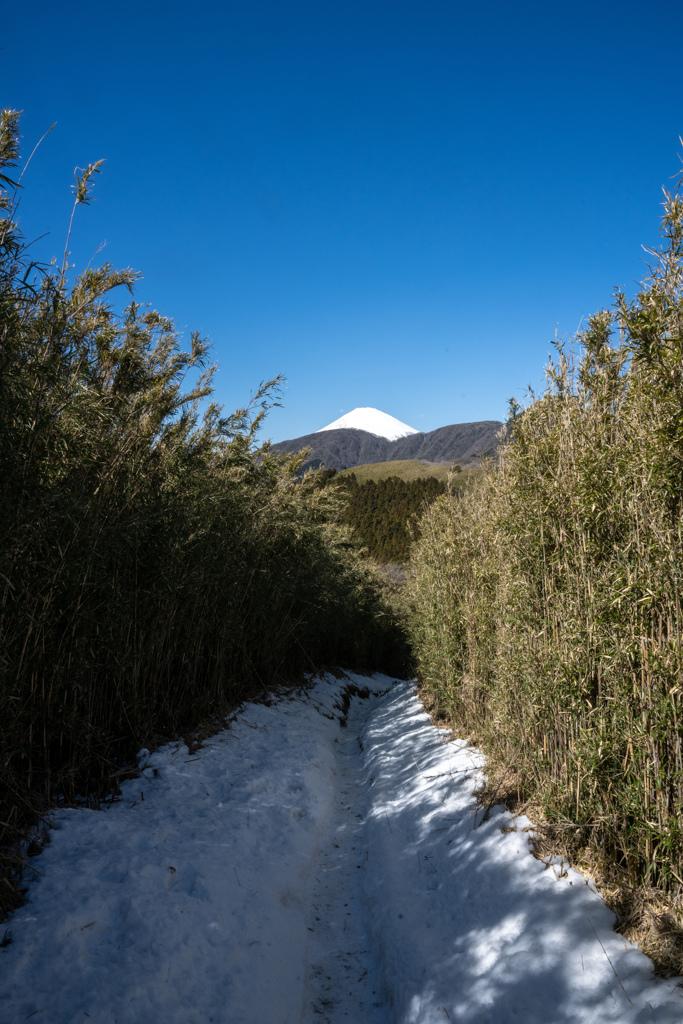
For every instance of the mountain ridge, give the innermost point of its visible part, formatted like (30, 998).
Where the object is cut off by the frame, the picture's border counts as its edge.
(348, 447)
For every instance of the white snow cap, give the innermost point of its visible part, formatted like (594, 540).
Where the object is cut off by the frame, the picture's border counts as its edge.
(374, 421)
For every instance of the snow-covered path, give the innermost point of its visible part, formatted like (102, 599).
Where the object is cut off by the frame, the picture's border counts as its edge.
(343, 980)
(297, 870)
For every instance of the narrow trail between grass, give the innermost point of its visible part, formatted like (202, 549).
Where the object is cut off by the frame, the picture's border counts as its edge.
(321, 860)
(343, 978)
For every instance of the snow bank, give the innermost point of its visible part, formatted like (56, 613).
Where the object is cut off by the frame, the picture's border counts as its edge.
(188, 905)
(472, 928)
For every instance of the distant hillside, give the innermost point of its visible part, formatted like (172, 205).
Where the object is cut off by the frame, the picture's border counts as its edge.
(408, 470)
(346, 447)
(405, 469)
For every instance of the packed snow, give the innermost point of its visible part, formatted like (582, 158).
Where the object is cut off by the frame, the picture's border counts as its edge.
(321, 859)
(374, 421)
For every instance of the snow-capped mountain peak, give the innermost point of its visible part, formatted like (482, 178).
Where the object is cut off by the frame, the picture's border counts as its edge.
(374, 422)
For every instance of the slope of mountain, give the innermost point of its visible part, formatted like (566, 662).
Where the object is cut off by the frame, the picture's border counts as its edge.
(405, 469)
(373, 421)
(414, 469)
(347, 447)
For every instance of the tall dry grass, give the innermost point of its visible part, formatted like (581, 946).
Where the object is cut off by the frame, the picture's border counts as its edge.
(156, 563)
(546, 606)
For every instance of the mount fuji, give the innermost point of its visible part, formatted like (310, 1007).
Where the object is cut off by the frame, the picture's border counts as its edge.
(369, 435)
(373, 422)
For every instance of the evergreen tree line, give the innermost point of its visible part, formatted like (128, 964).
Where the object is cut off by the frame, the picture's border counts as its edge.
(546, 604)
(156, 565)
(384, 513)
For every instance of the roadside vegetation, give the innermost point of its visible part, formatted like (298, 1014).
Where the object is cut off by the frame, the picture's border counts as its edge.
(156, 565)
(546, 603)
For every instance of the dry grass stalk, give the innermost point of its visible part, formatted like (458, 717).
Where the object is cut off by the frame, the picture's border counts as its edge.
(156, 564)
(545, 606)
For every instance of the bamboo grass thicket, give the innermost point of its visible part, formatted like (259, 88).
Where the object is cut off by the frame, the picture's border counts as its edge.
(546, 605)
(156, 564)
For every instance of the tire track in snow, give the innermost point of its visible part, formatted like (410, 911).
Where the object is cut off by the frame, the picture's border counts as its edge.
(343, 979)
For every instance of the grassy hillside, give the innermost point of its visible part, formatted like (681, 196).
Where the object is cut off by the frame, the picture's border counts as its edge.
(409, 470)
(404, 469)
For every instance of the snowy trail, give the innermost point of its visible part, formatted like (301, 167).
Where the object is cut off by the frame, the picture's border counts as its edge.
(344, 980)
(296, 871)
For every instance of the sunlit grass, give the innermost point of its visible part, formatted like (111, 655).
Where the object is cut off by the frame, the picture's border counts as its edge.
(546, 604)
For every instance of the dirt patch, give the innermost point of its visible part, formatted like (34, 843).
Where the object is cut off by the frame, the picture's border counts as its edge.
(352, 690)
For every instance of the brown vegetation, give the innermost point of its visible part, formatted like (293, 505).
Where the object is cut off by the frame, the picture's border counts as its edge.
(546, 605)
(155, 566)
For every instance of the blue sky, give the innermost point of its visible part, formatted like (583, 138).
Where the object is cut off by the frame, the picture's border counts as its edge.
(393, 203)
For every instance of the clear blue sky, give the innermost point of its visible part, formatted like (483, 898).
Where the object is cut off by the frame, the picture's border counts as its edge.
(393, 203)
